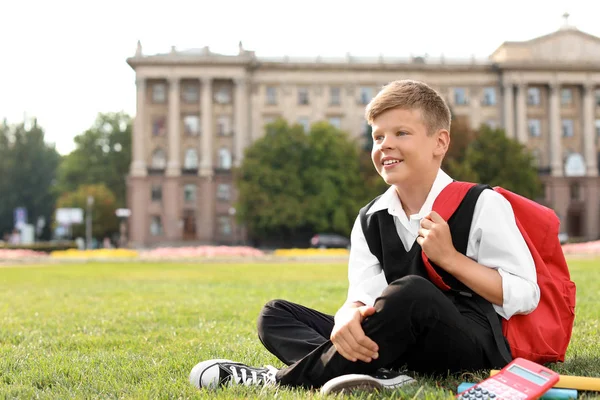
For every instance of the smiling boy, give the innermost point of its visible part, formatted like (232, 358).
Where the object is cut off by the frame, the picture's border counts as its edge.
(394, 316)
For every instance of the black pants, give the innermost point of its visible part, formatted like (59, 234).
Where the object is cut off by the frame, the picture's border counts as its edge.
(415, 325)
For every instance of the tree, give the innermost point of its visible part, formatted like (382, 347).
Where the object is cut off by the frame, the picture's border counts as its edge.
(332, 180)
(27, 172)
(461, 135)
(292, 183)
(102, 155)
(498, 160)
(104, 220)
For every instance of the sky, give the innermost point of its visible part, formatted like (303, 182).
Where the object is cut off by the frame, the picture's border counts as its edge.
(63, 62)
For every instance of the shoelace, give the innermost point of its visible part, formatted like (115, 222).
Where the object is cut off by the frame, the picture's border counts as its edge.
(253, 379)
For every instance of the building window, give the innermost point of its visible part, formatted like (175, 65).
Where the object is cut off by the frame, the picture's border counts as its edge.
(189, 93)
(566, 97)
(224, 191)
(302, 95)
(460, 96)
(225, 226)
(156, 226)
(567, 127)
(223, 95)
(335, 96)
(489, 96)
(159, 159)
(159, 93)
(159, 126)
(304, 121)
(533, 96)
(191, 125)
(271, 95)
(156, 193)
(597, 95)
(191, 159)
(366, 94)
(598, 127)
(535, 127)
(224, 158)
(224, 125)
(189, 193)
(335, 122)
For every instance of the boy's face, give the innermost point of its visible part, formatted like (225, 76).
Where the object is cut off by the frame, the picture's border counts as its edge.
(403, 152)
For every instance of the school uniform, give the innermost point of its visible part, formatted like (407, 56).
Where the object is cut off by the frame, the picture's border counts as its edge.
(416, 324)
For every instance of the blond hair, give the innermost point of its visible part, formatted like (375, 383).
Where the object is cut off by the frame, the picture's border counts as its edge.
(411, 95)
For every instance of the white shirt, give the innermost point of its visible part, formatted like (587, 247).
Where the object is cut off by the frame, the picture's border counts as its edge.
(494, 241)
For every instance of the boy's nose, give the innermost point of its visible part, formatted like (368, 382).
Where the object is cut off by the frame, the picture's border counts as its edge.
(386, 143)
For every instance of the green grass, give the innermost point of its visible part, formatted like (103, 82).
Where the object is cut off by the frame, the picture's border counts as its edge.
(108, 331)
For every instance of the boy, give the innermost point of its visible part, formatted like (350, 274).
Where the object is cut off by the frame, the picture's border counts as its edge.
(394, 316)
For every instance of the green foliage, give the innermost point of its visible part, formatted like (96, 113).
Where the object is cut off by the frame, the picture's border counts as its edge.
(460, 138)
(104, 220)
(291, 181)
(102, 155)
(132, 330)
(490, 157)
(27, 172)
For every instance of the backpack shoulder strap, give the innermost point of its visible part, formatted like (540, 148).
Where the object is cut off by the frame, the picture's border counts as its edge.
(369, 229)
(450, 198)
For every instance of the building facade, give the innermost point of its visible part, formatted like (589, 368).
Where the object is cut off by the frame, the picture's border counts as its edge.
(197, 111)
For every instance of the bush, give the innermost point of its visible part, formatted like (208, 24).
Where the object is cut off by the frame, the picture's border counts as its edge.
(46, 247)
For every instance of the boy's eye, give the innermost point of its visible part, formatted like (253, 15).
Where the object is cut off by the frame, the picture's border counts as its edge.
(378, 137)
(400, 133)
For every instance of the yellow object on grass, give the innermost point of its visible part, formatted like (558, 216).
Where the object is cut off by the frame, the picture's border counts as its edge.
(96, 253)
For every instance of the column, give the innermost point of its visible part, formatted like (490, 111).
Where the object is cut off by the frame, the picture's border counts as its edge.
(241, 120)
(475, 96)
(589, 145)
(206, 151)
(354, 123)
(522, 113)
(509, 121)
(174, 133)
(556, 166)
(138, 165)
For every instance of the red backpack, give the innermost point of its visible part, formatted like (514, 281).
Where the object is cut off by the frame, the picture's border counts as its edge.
(543, 335)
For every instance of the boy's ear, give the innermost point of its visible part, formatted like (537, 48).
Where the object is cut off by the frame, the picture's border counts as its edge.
(443, 142)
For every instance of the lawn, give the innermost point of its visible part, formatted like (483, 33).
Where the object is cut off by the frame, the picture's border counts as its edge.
(135, 330)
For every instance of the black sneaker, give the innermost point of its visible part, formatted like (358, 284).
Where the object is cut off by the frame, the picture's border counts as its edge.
(212, 374)
(379, 381)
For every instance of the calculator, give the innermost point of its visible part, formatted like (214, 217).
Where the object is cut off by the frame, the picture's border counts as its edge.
(521, 379)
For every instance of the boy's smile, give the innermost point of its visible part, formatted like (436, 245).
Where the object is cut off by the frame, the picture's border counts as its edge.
(390, 162)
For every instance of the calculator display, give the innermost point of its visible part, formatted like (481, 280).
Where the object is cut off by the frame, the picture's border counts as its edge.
(530, 376)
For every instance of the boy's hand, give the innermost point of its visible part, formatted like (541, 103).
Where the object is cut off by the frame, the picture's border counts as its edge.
(435, 240)
(348, 336)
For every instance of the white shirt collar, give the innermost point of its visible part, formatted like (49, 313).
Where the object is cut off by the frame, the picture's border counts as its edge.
(391, 201)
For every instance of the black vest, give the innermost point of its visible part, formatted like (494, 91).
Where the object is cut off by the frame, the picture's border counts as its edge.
(383, 240)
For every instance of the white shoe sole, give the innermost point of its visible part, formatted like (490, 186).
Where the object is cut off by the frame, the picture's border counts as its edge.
(351, 382)
(365, 383)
